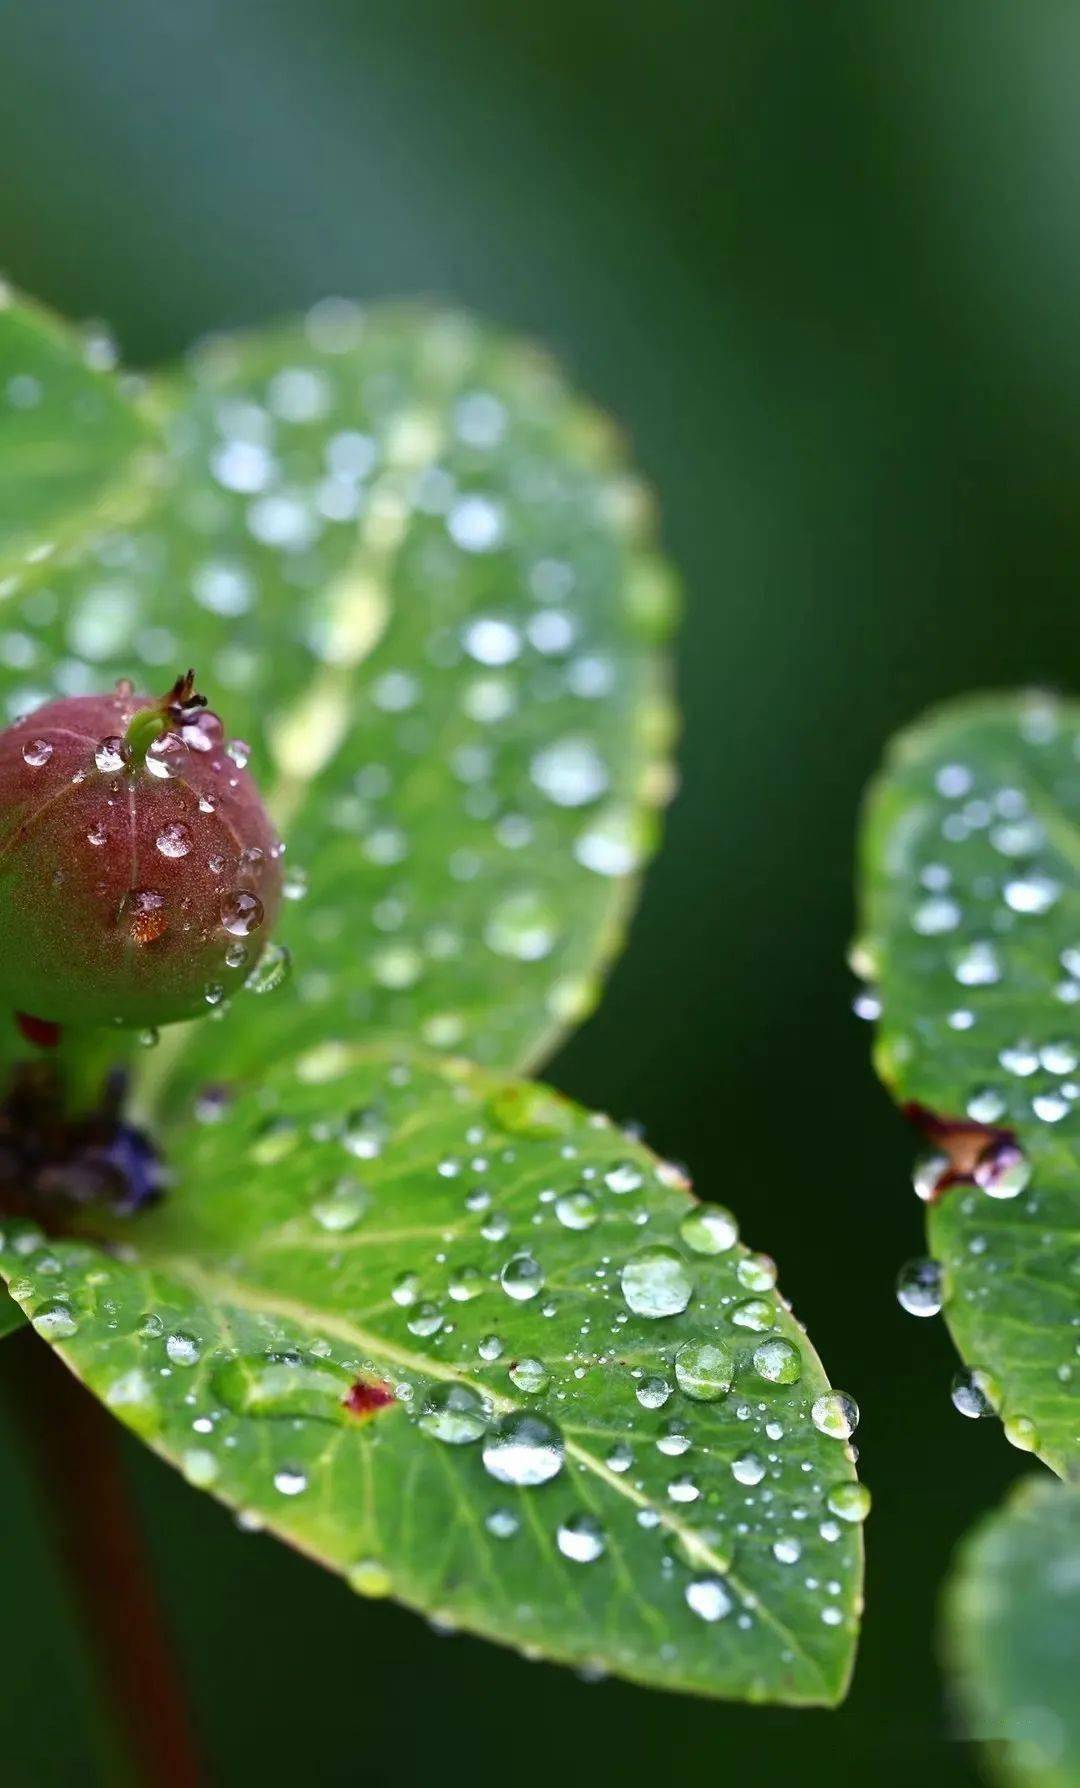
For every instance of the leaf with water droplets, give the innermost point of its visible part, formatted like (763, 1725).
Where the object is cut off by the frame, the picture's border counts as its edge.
(971, 938)
(73, 451)
(413, 569)
(1012, 1632)
(401, 1349)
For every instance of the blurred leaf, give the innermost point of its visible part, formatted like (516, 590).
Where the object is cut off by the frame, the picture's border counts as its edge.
(971, 936)
(1013, 1634)
(11, 1317)
(414, 575)
(73, 449)
(388, 1295)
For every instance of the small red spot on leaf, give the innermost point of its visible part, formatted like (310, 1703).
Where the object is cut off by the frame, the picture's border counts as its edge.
(40, 1031)
(365, 1398)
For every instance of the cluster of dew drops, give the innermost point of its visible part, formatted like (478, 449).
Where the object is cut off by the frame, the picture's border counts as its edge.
(521, 1446)
(1039, 1077)
(240, 910)
(295, 463)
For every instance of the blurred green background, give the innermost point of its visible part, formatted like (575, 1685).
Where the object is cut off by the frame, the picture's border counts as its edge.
(824, 263)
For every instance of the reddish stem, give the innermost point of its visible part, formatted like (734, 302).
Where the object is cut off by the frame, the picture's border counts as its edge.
(73, 1446)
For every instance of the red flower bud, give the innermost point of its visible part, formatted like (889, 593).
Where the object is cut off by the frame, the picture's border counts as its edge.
(139, 873)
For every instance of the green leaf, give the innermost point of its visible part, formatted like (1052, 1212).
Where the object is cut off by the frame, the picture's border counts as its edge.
(11, 1317)
(73, 449)
(491, 1262)
(971, 936)
(1013, 1634)
(413, 573)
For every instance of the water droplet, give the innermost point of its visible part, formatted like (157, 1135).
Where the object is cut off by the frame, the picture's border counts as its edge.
(656, 1282)
(850, 1501)
(174, 840)
(524, 1450)
(919, 1288)
(754, 1313)
(270, 972)
(183, 1349)
(835, 1413)
(290, 1482)
(530, 1375)
(1003, 1170)
(975, 1392)
(36, 753)
(786, 1551)
(368, 1577)
(625, 1176)
(778, 1361)
(748, 1469)
(577, 1210)
(364, 1133)
(523, 927)
(684, 1488)
(454, 1413)
(241, 912)
(426, 1320)
(503, 1523)
(757, 1272)
(166, 756)
(342, 1206)
(653, 1393)
(709, 1229)
(709, 1598)
(111, 756)
(1021, 1432)
(522, 1277)
(55, 1320)
(405, 1289)
(704, 1370)
(581, 1538)
(466, 1283)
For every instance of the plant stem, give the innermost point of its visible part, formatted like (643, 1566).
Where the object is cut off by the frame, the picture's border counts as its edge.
(72, 1445)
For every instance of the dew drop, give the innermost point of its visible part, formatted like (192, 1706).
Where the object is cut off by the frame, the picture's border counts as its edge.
(835, 1413)
(778, 1361)
(975, 1392)
(530, 1375)
(241, 912)
(36, 753)
(919, 1287)
(581, 1538)
(289, 1482)
(111, 756)
(849, 1501)
(174, 840)
(522, 1277)
(709, 1598)
(709, 1229)
(524, 1449)
(704, 1370)
(454, 1413)
(656, 1282)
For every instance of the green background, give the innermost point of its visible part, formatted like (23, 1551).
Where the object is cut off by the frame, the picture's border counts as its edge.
(824, 263)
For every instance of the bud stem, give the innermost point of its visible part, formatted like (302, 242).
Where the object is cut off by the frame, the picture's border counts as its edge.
(143, 728)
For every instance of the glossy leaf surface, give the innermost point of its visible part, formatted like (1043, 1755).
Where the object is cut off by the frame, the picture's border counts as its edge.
(468, 1345)
(971, 938)
(73, 449)
(413, 574)
(1013, 1634)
